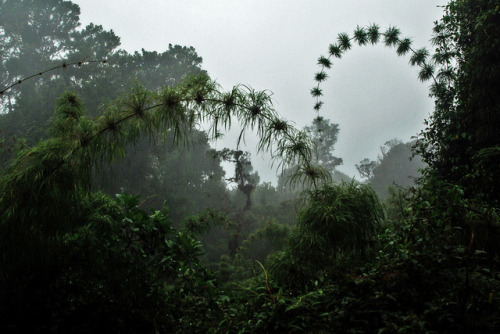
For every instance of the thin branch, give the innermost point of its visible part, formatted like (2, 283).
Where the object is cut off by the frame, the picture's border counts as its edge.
(63, 65)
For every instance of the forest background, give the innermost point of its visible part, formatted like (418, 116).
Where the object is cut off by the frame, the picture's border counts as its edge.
(82, 252)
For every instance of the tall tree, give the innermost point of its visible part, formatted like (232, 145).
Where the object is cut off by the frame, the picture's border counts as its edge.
(245, 179)
(37, 35)
(324, 135)
(462, 143)
(55, 27)
(34, 34)
(395, 166)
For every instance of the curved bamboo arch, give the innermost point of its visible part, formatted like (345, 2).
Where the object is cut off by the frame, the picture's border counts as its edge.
(372, 35)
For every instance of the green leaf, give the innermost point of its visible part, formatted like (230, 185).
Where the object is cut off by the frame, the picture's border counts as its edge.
(316, 92)
(391, 36)
(335, 50)
(373, 33)
(419, 57)
(404, 46)
(318, 105)
(344, 41)
(426, 72)
(323, 61)
(360, 35)
(320, 76)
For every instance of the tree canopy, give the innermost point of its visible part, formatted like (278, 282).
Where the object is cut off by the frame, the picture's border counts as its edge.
(74, 259)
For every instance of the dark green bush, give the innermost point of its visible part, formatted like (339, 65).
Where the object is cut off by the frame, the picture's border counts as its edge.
(338, 221)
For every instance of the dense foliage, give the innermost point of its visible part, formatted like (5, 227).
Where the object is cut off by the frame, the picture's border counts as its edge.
(75, 259)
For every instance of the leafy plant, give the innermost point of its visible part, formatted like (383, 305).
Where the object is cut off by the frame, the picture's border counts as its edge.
(337, 221)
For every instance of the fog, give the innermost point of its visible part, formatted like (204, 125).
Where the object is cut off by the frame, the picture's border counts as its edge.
(373, 94)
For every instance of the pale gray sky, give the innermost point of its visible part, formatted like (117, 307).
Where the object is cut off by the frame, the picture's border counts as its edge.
(371, 93)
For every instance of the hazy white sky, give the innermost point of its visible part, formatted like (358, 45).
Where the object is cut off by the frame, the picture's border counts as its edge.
(371, 93)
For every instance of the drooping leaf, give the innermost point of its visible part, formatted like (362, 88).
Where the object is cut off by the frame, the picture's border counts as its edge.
(404, 46)
(419, 57)
(426, 72)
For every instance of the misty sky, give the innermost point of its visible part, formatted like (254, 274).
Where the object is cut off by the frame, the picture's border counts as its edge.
(371, 93)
